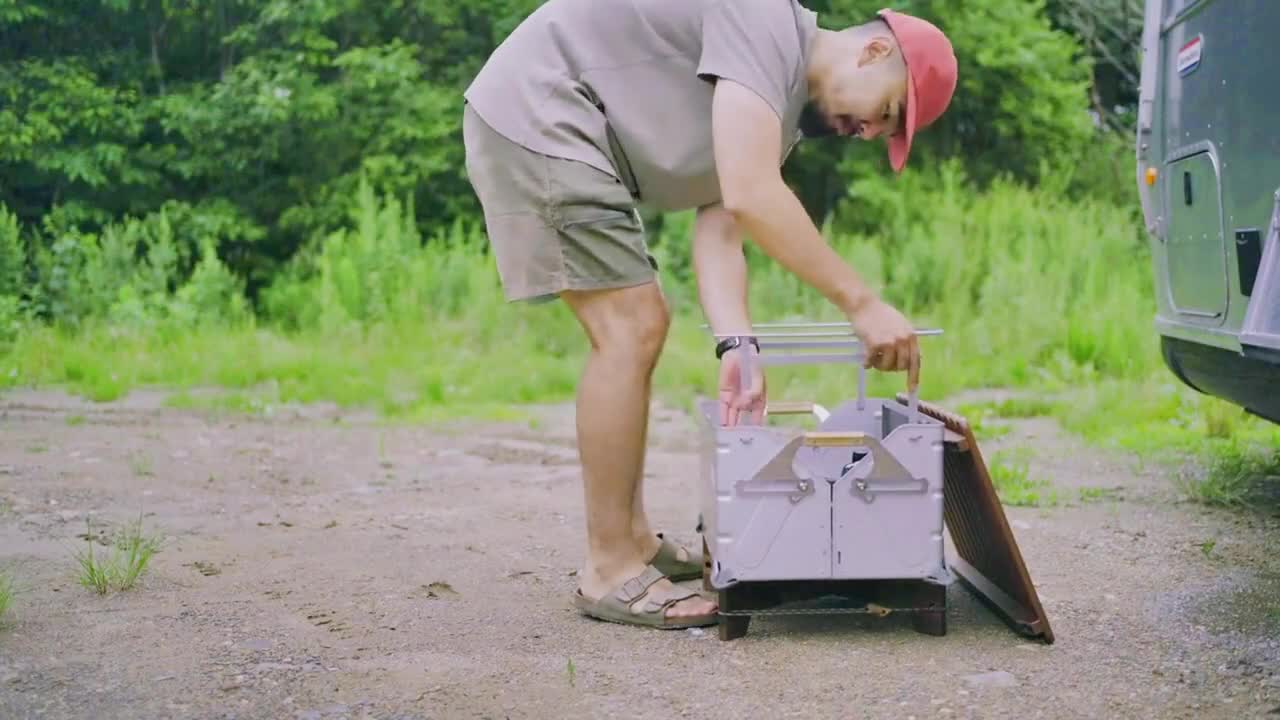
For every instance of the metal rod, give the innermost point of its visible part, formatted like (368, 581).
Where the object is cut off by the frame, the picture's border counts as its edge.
(927, 332)
(802, 359)
(809, 344)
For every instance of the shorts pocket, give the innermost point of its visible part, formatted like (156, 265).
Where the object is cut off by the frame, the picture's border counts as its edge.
(604, 247)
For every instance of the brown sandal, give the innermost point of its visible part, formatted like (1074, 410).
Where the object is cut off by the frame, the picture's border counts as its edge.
(667, 561)
(623, 604)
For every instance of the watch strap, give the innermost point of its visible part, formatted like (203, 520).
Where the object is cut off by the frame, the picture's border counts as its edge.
(732, 342)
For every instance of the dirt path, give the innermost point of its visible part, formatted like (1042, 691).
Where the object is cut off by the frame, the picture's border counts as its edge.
(320, 566)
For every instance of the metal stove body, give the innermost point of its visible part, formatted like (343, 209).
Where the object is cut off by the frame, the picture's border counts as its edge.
(856, 496)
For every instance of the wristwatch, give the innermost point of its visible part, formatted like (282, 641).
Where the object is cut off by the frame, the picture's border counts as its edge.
(730, 343)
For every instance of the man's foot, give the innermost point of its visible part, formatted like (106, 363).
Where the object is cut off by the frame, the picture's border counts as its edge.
(646, 598)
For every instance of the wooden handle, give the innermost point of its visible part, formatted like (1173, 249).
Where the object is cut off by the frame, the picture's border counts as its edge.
(795, 407)
(835, 439)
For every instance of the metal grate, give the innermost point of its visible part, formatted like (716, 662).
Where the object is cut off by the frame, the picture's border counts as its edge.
(989, 561)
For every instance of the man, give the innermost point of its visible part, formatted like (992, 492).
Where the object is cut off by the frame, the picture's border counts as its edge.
(591, 107)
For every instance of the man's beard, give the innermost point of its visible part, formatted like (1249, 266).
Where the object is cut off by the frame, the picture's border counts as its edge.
(813, 123)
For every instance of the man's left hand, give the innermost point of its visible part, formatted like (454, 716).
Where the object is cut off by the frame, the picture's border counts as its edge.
(738, 403)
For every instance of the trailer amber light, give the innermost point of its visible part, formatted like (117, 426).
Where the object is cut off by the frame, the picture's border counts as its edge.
(1151, 176)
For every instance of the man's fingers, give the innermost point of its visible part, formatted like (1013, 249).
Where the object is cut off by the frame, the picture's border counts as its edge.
(913, 372)
(888, 358)
(906, 352)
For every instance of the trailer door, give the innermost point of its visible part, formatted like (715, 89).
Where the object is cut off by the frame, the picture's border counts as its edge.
(1196, 252)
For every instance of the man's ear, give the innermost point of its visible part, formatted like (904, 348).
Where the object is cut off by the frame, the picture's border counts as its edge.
(877, 49)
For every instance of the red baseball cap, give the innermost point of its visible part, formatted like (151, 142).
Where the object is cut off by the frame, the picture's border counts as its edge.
(931, 78)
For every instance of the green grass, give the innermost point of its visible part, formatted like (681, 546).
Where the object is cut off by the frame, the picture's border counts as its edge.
(1236, 475)
(122, 564)
(6, 596)
(376, 317)
(1014, 484)
(1010, 408)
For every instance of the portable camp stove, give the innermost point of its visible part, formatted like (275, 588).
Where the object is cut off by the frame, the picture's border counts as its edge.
(846, 517)
(849, 516)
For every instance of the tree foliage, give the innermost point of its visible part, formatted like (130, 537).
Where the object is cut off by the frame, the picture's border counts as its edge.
(181, 135)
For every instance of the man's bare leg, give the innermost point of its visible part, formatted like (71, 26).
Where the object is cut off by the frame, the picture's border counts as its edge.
(627, 328)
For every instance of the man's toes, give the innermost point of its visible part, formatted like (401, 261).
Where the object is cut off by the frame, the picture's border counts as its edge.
(692, 606)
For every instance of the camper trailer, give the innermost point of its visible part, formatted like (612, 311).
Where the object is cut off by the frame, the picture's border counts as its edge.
(1208, 173)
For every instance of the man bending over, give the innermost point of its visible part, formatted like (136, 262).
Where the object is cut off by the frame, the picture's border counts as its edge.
(592, 107)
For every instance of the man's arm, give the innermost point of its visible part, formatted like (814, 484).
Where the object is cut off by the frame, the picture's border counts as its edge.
(748, 143)
(721, 270)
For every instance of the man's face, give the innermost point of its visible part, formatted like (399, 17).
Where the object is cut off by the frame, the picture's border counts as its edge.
(863, 97)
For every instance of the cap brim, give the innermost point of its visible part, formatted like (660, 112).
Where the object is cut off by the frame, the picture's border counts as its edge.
(900, 144)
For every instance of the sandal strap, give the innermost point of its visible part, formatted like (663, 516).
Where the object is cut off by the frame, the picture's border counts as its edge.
(675, 597)
(636, 587)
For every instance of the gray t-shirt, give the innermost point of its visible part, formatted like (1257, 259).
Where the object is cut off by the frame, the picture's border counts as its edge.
(625, 85)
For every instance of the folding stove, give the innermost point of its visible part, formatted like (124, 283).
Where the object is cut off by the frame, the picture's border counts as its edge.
(848, 517)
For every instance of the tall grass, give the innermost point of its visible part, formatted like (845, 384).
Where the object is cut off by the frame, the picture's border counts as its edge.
(1030, 290)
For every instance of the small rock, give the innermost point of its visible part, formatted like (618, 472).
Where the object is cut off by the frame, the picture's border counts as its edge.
(697, 632)
(1021, 524)
(993, 679)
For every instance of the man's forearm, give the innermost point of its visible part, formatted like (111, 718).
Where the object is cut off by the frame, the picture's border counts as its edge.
(721, 269)
(772, 215)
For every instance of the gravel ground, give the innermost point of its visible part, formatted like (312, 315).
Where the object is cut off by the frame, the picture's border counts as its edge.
(320, 564)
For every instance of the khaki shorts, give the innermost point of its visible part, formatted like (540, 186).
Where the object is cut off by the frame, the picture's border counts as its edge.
(553, 224)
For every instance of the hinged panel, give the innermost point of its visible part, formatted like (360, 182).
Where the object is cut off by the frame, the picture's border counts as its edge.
(1196, 254)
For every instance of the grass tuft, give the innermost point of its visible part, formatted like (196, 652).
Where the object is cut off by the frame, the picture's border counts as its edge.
(122, 564)
(1014, 484)
(6, 595)
(1237, 475)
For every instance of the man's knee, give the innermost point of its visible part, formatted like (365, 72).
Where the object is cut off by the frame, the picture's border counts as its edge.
(628, 325)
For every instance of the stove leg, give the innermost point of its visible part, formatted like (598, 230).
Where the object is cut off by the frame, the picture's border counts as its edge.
(931, 617)
(930, 622)
(732, 627)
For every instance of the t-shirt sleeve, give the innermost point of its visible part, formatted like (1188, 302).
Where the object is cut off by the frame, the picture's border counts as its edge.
(754, 43)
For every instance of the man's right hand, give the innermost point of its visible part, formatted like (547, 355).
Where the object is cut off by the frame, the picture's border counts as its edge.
(888, 338)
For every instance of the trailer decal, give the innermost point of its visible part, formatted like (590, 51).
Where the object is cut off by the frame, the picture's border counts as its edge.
(1189, 56)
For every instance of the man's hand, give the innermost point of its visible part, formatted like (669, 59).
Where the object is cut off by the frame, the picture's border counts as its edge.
(888, 339)
(737, 402)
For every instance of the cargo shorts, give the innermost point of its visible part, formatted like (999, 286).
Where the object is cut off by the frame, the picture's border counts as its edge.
(553, 224)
